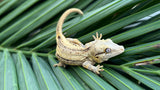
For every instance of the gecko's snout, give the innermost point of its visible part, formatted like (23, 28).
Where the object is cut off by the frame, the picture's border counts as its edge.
(121, 48)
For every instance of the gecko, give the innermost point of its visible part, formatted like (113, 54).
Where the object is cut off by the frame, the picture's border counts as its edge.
(71, 51)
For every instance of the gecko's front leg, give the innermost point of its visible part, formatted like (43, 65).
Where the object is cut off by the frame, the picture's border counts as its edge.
(88, 65)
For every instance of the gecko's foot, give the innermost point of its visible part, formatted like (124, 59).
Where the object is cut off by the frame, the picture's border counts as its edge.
(97, 69)
(97, 37)
(60, 65)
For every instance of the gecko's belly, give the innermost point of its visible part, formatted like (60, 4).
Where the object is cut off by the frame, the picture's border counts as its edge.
(70, 61)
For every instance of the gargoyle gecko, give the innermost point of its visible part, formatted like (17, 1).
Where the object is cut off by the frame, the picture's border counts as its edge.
(72, 52)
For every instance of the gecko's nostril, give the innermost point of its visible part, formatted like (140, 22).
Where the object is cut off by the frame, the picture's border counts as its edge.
(122, 48)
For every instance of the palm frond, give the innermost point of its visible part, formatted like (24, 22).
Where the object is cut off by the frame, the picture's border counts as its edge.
(27, 44)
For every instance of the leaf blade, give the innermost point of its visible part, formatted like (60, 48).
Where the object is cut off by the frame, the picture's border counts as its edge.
(43, 73)
(25, 73)
(119, 81)
(144, 79)
(8, 75)
(65, 78)
(93, 81)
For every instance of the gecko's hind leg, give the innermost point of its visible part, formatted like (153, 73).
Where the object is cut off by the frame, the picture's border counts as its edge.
(60, 64)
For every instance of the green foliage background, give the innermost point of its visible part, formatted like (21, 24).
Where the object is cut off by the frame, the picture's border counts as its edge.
(27, 44)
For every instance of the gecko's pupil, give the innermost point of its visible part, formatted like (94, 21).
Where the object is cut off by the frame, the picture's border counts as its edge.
(108, 50)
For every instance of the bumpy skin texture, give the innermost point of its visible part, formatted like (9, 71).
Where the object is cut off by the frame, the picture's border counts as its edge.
(72, 52)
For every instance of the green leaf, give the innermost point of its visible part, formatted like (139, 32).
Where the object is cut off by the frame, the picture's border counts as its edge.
(65, 78)
(8, 5)
(136, 32)
(44, 74)
(151, 71)
(41, 37)
(142, 78)
(149, 38)
(92, 80)
(141, 48)
(82, 3)
(52, 10)
(119, 81)
(26, 76)
(17, 12)
(8, 77)
(74, 74)
(95, 15)
(97, 4)
(26, 19)
(121, 23)
(3, 3)
(149, 60)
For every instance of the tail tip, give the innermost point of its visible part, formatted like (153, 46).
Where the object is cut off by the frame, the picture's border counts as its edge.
(77, 10)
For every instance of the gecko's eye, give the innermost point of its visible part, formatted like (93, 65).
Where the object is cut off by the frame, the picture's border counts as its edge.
(107, 50)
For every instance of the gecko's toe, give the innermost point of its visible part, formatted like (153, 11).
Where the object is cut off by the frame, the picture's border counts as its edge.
(98, 69)
(60, 64)
(55, 65)
(64, 66)
(97, 72)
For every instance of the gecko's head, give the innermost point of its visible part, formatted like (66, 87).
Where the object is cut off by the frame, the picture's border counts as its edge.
(105, 49)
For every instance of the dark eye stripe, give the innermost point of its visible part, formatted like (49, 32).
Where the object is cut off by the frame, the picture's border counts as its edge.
(99, 53)
(107, 50)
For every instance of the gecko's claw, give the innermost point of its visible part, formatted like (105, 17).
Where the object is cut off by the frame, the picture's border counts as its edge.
(55, 65)
(98, 68)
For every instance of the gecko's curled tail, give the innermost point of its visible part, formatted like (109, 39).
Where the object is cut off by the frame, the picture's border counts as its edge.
(62, 18)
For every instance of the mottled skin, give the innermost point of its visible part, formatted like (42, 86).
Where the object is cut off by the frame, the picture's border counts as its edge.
(72, 52)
